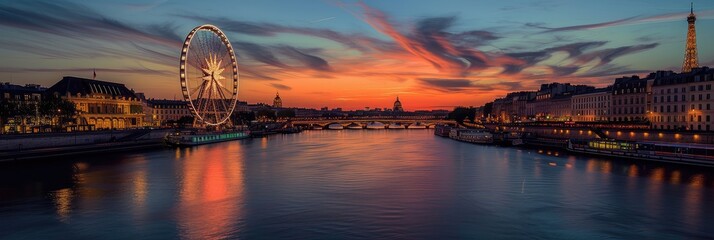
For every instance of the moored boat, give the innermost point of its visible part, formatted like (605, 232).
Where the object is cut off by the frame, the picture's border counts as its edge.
(417, 125)
(375, 125)
(396, 126)
(442, 130)
(193, 138)
(471, 135)
(335, 126)
(354, 126)
(694, 154)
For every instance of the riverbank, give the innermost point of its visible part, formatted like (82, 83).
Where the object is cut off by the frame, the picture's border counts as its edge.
(111, 147)
(44, 146)
(676, 153)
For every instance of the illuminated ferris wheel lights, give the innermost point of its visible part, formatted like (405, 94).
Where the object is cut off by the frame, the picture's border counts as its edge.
(208, 53)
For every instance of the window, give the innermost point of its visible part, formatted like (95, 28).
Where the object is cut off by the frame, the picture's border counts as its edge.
(709, 87)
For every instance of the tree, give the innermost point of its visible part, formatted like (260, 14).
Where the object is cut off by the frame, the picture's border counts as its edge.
(286, 113)
(7, 110)
(185, 120)
(487, 109)
(243, 118)
(462, 113)
(56, 107)
(265, 113)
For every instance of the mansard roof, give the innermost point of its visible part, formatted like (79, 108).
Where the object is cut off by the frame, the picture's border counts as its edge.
(83, 86)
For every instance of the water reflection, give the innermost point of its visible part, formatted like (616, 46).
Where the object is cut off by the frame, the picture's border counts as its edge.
(140, 187)
(211, 191)
(63, 203)
(354, 185)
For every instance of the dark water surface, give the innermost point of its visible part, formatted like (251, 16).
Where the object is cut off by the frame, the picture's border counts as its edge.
(405, 184)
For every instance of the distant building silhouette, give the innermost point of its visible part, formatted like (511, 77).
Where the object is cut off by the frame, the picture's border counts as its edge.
(398, 106)
(277, 102)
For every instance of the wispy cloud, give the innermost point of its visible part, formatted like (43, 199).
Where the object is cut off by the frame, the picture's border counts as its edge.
(625, 21)
(309, 61)
(281, 86)
(322, 20)
(429, 40)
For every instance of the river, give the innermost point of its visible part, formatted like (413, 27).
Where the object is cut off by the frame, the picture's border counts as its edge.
(354, 184)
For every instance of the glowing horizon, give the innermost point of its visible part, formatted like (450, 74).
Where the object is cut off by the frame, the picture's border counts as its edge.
(355, 54)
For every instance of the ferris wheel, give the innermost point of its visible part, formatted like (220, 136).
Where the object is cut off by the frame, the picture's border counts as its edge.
(209, 75)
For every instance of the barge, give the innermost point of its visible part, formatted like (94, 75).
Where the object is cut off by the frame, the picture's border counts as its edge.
(692, 154)
(471, 136)
(193, 138)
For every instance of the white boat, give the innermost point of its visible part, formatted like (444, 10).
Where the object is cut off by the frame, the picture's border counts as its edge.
(396, 126)
(355, 126)
(335, 126)
(417, 125)
(375, 125)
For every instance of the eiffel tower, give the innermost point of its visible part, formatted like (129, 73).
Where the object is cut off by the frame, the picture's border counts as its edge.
(690, 53)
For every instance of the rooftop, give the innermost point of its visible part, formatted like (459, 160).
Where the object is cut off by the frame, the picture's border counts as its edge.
(83, 86)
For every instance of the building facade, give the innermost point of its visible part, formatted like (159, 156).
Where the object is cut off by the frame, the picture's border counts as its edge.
(629, 99)
(103, 105)
(684, 101)
(553, 102)
(167, 112)
(593, 106)
(20, 107)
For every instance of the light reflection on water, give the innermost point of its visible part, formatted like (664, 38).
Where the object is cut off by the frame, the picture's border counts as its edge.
(354, 184)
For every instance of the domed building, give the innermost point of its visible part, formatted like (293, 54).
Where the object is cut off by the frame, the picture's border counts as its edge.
(277, 102)
(398, 106)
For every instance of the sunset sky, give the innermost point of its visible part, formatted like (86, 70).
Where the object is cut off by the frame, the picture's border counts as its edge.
(354, 54)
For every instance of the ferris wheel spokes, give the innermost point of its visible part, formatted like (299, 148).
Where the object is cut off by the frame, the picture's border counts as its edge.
(205, 83)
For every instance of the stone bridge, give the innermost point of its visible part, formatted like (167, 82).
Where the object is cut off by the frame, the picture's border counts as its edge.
(370, 123)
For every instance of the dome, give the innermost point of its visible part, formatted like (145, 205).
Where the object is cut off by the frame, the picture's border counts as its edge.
(398, 106)
(277, 102)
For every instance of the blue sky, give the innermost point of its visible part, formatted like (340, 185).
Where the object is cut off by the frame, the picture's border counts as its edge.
(433, 54)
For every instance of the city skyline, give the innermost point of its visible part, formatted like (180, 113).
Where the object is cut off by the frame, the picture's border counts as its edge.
(356, 54)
